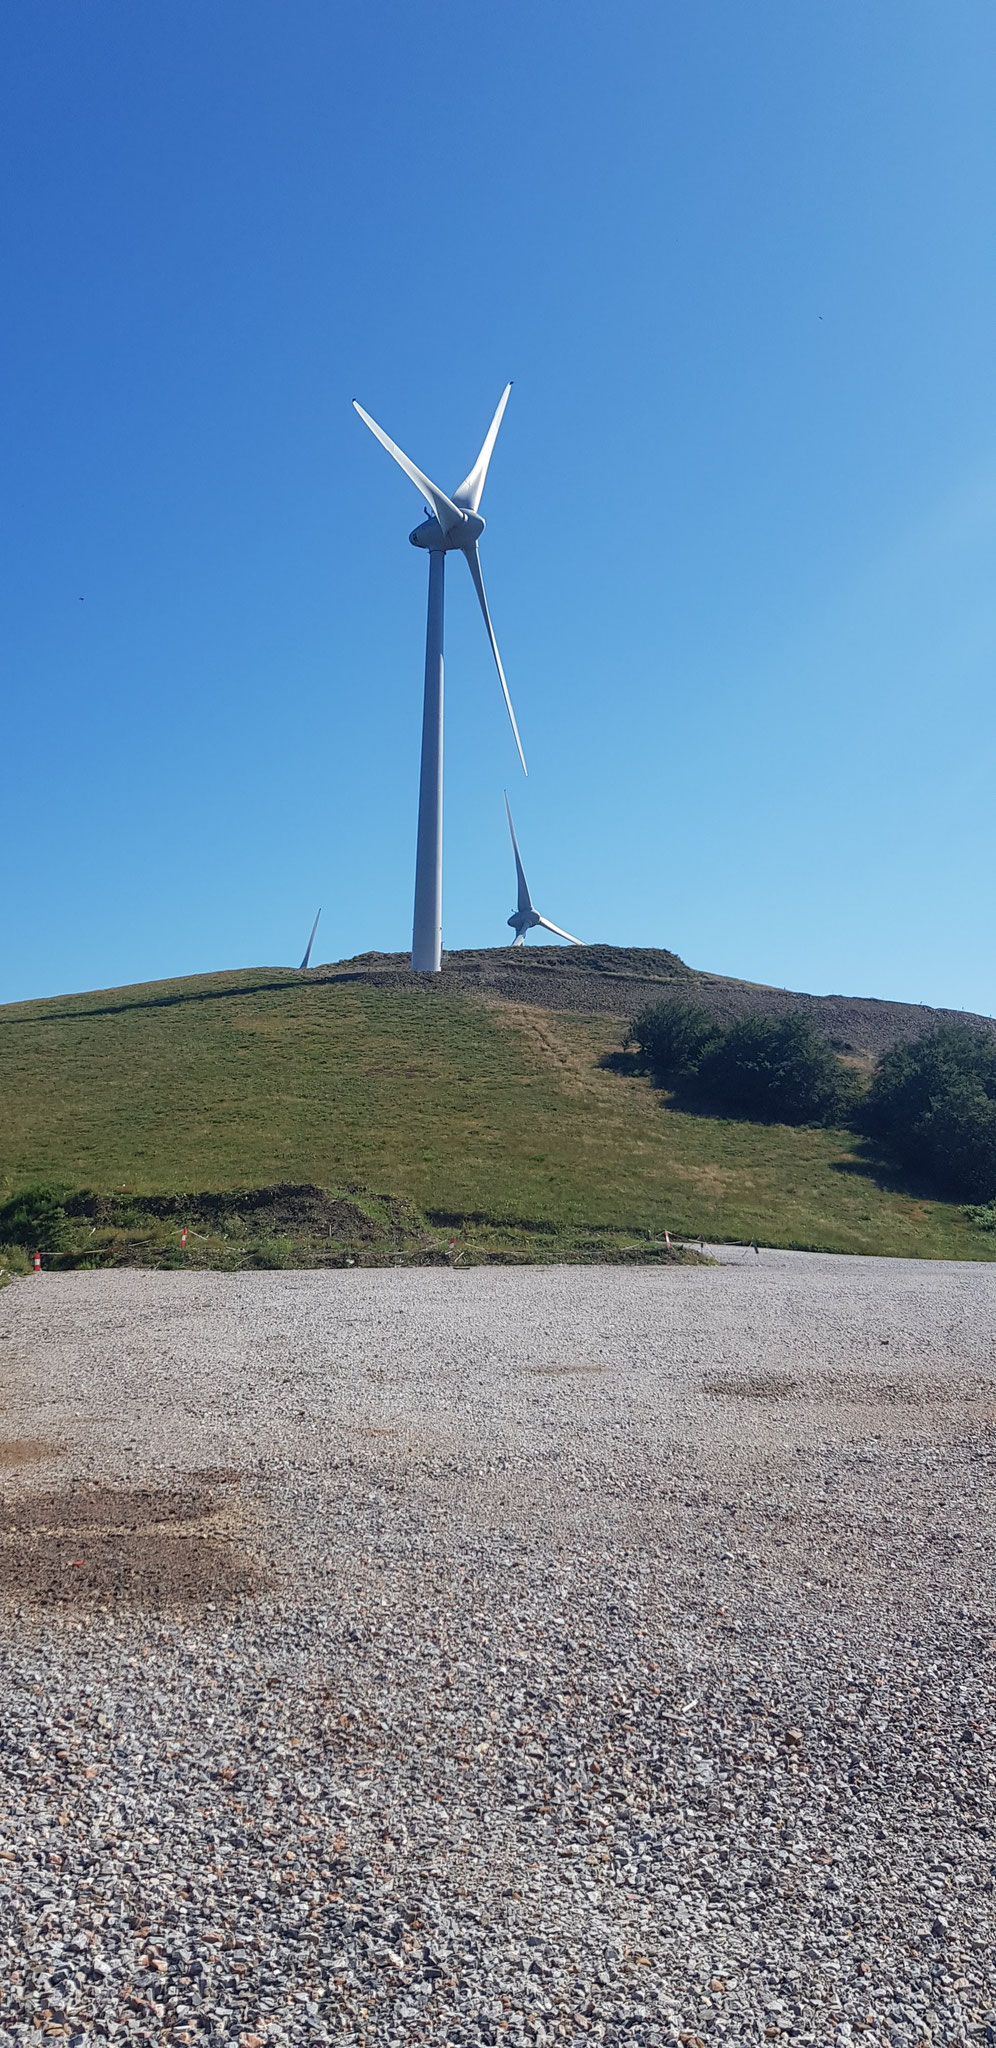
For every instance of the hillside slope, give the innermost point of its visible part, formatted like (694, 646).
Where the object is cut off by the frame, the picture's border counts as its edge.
(619, 981)
(458, 1099)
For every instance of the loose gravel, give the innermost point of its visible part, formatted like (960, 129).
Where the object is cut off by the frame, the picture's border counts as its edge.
(512, 1656)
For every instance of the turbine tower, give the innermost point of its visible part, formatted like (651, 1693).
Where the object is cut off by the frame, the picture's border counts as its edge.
(454, 523)
(526, 913)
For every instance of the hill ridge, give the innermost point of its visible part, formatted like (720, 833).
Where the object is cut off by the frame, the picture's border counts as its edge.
(606, 980)
(494, 1094)
(621, 980)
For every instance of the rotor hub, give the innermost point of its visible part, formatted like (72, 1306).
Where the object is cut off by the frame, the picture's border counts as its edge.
(430, 534)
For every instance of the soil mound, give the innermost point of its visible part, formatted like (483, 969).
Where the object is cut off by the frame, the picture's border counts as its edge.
(288, 1207)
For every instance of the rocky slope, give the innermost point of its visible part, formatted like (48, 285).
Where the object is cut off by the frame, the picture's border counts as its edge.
(622, 980)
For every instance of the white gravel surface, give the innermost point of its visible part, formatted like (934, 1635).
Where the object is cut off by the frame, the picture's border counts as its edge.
(580, 1654)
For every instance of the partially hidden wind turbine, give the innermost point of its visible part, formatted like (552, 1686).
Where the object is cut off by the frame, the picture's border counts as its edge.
(526, 915)
(454, 523)
(306, 962)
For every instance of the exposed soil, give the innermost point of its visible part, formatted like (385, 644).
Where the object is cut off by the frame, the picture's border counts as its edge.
(622, 980)
(763, 1386)
(841, 1390)
(25, 1450)
(91, 1545)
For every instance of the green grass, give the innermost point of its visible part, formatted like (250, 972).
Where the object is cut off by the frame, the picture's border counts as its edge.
(464, 1108)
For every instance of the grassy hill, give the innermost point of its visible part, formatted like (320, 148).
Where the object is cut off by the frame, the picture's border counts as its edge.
(620, 980)
(492, 1117)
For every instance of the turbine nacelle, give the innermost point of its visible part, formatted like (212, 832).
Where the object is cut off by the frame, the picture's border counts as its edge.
(463, 536)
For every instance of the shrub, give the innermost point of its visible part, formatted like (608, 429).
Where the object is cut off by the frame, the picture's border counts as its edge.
(984, 1218)
(14, 1261)
(777, 1070)
(672, 1036)
(272, 1253)
(35, 1219)
(933, 1104)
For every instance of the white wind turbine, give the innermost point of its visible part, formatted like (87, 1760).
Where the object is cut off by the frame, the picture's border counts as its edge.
(454, 523)
(526, 914)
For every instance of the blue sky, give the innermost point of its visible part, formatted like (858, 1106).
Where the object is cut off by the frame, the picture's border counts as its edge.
(741, 517)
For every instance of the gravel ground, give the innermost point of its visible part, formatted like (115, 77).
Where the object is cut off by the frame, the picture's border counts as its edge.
(506, 1656)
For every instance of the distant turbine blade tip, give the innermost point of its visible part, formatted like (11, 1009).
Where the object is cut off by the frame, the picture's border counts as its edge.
(306, 962)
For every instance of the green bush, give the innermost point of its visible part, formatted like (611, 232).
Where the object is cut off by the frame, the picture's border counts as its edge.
(36, 1219)
(672, 1037)
(14, 1261)
(274, 1254)
(777, 1070)
(932, 1104)
(984, 1217)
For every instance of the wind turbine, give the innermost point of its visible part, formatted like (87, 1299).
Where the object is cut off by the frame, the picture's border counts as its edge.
(306, 962)
(453, 523)
(526, 913)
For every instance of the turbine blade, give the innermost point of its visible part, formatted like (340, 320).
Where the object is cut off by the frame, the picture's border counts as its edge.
(471, 490)
(448, 514)
(525, 901)
(519, 939)
(548, 927)
(474, 565)
(307, 951)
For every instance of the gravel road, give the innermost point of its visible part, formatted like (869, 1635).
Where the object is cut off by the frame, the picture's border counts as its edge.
(512, 1656)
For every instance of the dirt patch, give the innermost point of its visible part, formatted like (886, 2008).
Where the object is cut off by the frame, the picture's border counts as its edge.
(857, 1390)
(25, 1450)
(95, 1545)
(761, 1386)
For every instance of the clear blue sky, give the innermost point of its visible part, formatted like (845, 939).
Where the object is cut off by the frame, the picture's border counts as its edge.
(738, 260)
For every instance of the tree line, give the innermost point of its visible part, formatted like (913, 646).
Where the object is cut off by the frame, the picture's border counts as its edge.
(930, 1104)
